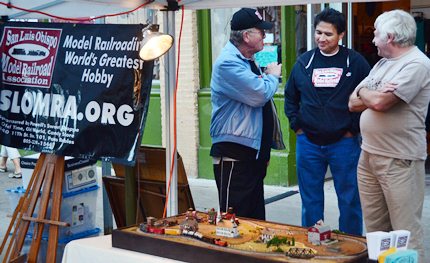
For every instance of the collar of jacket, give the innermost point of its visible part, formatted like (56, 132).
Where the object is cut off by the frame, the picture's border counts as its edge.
(234, 50)
(317, 49)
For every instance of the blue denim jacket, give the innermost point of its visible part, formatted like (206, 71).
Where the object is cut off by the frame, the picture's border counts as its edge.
(238, 96)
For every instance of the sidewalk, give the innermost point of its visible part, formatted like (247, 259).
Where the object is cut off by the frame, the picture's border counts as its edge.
(287, 210)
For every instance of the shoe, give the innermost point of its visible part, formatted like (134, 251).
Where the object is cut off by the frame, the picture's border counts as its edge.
(15, 175)
(3, 169)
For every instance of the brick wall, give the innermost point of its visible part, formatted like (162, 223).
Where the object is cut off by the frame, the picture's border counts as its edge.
(187, 107)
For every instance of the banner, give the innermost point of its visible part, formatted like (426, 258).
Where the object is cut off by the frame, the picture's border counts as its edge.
(79, 90)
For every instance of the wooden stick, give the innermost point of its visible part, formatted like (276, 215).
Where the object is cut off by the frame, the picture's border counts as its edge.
(30, 200)
(19, 207)
(45, 221)
(43, 208)
(12, 221)
(49, 173)
(20, 259)
(12, 242)
(33, 197)
(51, 251)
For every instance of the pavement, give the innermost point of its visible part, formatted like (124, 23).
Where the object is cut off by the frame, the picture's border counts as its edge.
(285, 210)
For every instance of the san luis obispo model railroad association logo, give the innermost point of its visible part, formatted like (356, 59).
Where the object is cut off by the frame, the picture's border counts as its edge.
(28, 55)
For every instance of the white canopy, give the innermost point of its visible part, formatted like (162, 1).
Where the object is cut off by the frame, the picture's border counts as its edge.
(92, 8)
(211, 4)
(62, 8)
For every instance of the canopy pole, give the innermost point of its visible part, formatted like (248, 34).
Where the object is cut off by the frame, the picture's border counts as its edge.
(349, 32)
(170, 65)
(309, 26)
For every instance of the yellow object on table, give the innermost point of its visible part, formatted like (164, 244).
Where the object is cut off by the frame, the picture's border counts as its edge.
(383, 255)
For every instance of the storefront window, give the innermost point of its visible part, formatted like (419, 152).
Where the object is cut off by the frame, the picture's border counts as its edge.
(220, 27)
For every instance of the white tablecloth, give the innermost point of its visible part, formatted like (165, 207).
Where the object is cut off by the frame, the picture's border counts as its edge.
(99, 250)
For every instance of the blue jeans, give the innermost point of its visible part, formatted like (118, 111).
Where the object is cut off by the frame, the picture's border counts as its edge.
(312, 163)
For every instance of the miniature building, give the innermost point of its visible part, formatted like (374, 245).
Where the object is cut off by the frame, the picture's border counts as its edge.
(267, 235)
(230, 215)
(150, 220)
(227, 228)
(212, 216)
(319, 232)
(196, 216)
(190, 223)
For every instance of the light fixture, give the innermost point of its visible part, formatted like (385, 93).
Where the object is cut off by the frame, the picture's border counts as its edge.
(154, 43)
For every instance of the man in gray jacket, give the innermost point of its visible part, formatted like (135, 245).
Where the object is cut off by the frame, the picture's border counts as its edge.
(244, 124)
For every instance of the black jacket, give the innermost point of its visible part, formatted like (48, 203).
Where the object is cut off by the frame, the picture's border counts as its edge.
(324, 123)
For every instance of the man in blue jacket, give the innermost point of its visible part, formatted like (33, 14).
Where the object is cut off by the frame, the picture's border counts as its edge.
(316, 104)
(244, 125)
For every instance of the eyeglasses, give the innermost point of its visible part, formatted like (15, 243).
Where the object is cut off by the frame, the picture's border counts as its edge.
(261, 32)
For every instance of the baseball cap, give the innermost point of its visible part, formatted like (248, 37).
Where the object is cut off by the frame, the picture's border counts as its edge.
(248, 18)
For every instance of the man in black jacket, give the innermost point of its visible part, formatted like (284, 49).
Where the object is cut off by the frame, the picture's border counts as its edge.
(316, 104)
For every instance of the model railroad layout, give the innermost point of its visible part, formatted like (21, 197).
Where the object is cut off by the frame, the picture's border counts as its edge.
(255, 239)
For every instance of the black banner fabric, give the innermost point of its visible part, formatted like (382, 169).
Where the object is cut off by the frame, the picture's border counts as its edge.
(76, 90)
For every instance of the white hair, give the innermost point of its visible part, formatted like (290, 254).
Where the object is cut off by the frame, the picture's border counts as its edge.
(236, 37)
(400, 25)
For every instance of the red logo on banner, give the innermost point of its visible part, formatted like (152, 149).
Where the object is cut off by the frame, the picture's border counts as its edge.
(28, 55)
